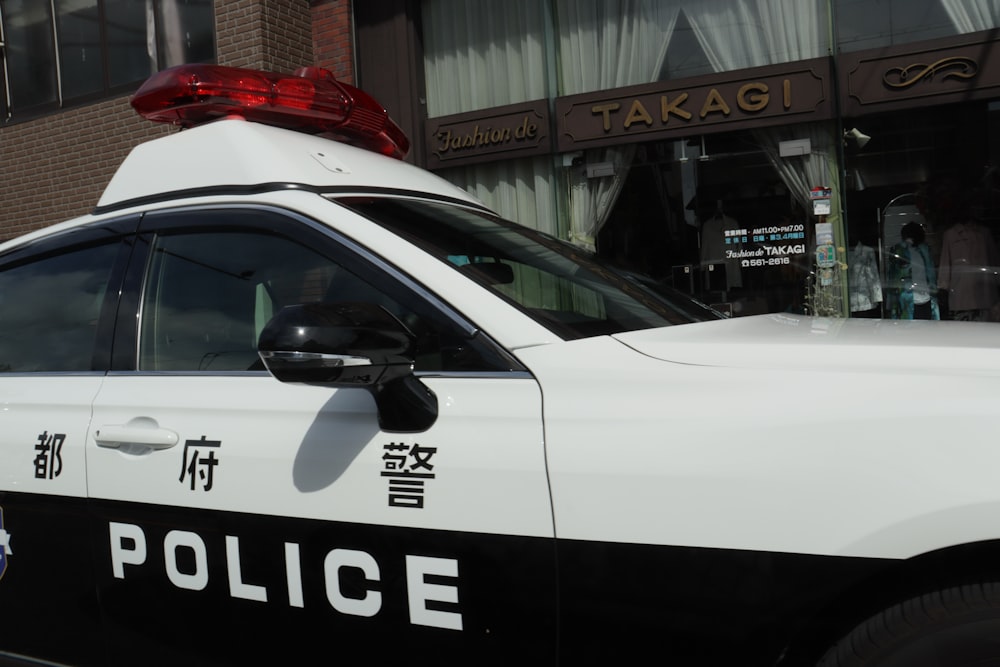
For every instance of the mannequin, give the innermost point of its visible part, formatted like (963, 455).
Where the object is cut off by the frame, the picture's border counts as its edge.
(911, 277)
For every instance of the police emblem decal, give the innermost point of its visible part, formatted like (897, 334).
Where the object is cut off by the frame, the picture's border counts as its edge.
(5, 549)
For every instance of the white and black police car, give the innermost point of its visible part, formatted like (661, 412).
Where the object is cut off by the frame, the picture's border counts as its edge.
(283, 398)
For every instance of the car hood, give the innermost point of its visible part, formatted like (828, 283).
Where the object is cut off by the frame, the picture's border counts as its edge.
(792, 341)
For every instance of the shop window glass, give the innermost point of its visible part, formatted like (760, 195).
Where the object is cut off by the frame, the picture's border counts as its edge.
(750, 33)
(610, 43)
(486, 54)
(869, 24)
(685, 57)
(604, 46)
(972, 15)
(925, 210)
(737, 34)
(715, 220)
(482, 54)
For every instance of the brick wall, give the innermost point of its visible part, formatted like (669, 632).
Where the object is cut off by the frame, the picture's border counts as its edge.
(272, 35)
(54, 168)
(333, 40)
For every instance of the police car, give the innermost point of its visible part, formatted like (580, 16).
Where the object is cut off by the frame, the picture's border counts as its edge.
(284, 398)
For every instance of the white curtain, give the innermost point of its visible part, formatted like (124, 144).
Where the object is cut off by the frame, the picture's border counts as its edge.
(606, 44)
(750, 33)
(485, 54)
(173, 33)
(973, 15)
(520, 190)
(801, 173)
(482, 54)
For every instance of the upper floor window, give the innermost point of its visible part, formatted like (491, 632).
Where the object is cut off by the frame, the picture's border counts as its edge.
(57, 52)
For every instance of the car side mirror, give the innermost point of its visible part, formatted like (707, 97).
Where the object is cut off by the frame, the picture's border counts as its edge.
(351, 345)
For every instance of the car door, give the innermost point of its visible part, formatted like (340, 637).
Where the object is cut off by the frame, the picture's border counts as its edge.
(57, 304)
(239, 519)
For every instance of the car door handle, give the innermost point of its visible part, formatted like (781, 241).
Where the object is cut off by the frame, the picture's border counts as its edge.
(115, 436)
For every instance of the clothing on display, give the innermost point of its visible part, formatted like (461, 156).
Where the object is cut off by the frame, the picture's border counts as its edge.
(968, 268)
(713, 247)
(863, 279)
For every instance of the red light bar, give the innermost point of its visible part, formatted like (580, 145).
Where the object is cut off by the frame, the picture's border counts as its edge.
(311, 101)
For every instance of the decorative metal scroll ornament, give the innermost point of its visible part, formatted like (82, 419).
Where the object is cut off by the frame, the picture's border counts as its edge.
(957, 67)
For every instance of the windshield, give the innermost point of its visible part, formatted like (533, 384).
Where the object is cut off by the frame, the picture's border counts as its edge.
(561, 286)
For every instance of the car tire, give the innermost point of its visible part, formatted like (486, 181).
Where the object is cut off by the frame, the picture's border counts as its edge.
(953, 627)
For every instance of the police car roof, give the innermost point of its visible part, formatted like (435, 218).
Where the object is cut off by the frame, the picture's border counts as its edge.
(233, 154)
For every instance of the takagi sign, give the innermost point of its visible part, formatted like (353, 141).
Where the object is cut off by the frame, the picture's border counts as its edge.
(946, 71)
(757, 97)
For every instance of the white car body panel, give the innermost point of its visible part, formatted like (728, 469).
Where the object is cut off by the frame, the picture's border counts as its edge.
(57, 406)
(797, 460)
(798, 342)
(316, 452)
(232, 152)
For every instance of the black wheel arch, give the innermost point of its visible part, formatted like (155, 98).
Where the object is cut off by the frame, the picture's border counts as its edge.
(959, 565)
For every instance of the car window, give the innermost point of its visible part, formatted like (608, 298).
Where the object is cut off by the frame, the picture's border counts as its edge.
(49, 310)
(563, 287)
(209, 293)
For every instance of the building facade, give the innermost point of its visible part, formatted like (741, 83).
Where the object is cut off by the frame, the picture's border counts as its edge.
(824, 156)
(763, 155)
(69, 66)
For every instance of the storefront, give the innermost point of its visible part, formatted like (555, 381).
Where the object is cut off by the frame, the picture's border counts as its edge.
(763, 155)
(929, 170)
